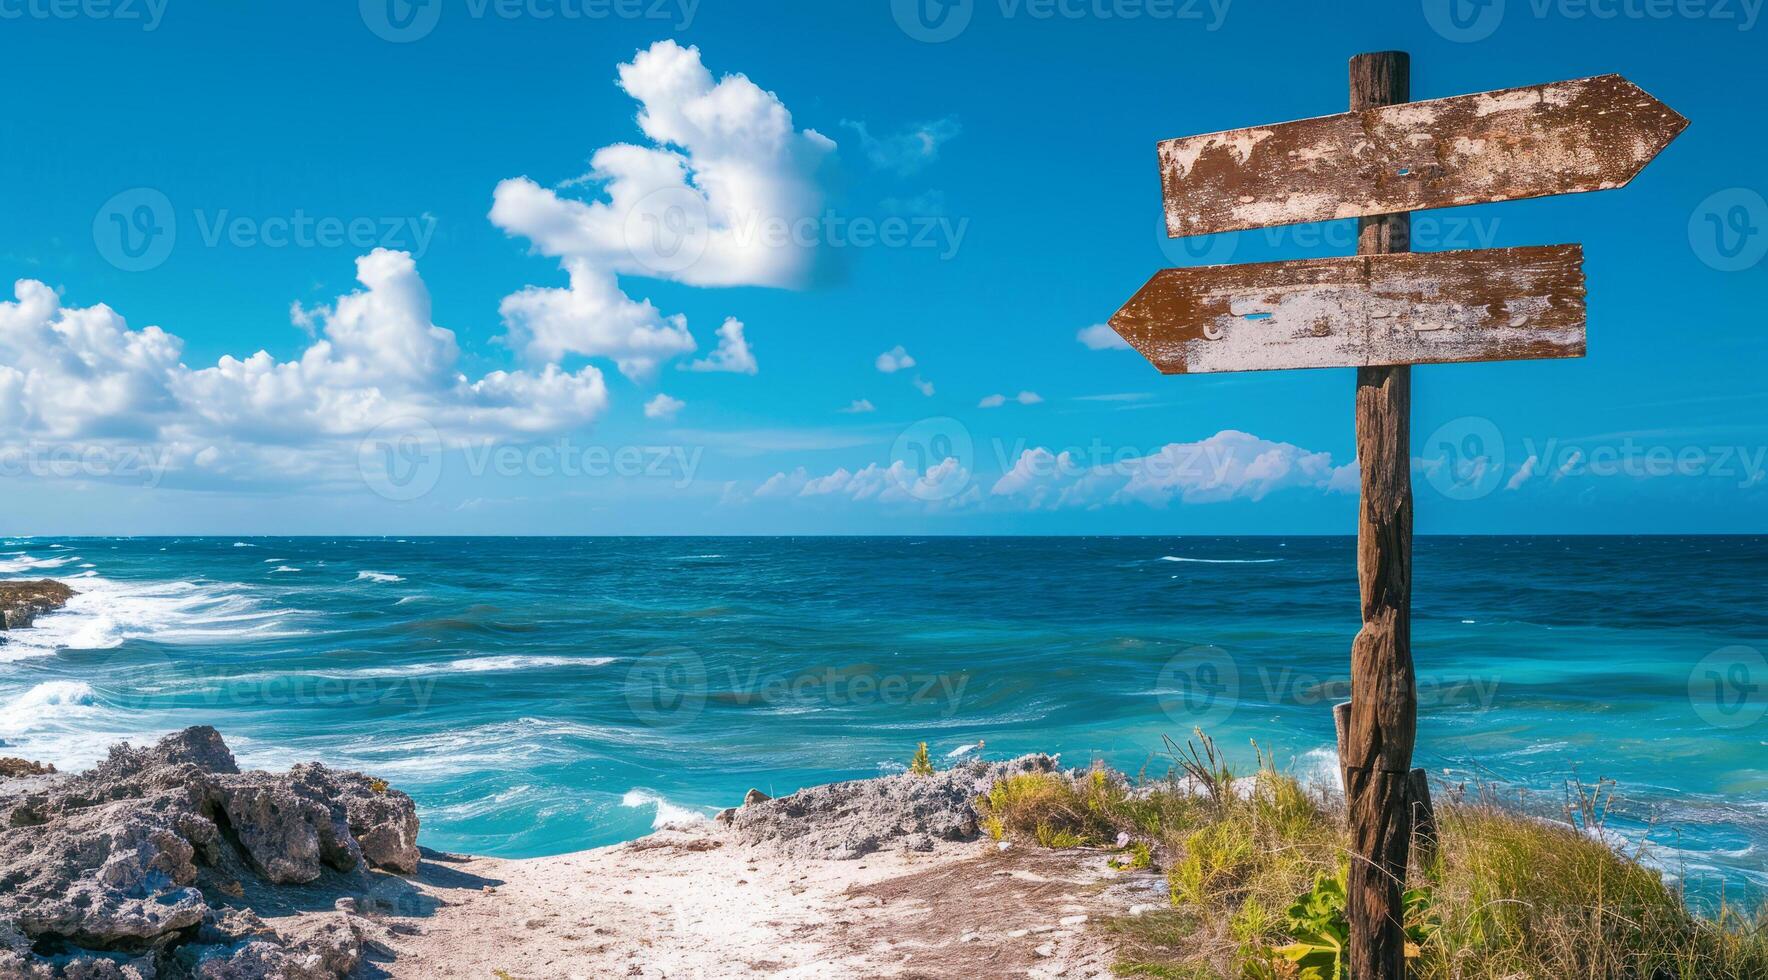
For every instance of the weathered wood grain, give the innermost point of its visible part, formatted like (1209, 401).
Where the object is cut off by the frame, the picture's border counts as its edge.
(1563, 138)
(1384, 690)
(1360, 311)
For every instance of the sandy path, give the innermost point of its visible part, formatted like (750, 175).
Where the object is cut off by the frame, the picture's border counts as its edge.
(695, 904)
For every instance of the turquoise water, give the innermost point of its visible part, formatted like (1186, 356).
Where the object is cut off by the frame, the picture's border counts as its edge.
(539, 696)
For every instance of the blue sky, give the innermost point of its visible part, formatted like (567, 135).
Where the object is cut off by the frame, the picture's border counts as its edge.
(462, 253)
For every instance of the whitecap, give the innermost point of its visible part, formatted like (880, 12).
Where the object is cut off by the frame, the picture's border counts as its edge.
(283, 568)
(43, 702)
(102, 614)
(242, 544)
(512, 663)
(962, 750)
(668, 814)
(1222, 561)
(378, 577)
(1320, 769)
(25, 563)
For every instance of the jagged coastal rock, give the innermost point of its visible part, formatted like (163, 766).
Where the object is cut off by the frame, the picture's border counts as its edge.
(846, 821)
(143, 867)
(22, 602)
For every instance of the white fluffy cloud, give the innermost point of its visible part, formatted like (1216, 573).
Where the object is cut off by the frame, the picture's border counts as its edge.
(594, 318)
(81, 374)
(1023, 398)
(894, 360)
(733, 354)
(719, 198)
(1099, 336)
(944, 485)
(663, 407)
(1228, 465)
(860, 406)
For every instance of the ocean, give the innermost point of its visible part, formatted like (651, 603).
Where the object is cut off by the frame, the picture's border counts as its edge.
(539, 696)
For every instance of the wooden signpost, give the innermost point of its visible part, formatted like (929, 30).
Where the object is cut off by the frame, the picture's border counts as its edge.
(1380, 312)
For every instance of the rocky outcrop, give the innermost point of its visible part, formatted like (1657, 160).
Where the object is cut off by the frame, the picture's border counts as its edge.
(22, 602)
(850, 820)
(12, 768)
(139, 867)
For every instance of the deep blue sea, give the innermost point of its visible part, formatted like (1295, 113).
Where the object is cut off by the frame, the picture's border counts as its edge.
(540, 696)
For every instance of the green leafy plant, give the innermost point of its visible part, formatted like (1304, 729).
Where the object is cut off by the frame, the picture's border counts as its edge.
(1321, 931)
(921, 764)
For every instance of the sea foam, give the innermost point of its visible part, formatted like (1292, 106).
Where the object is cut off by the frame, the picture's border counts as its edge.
(103, 614)
(668, 814)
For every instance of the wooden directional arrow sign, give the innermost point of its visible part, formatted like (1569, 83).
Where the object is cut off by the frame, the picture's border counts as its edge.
(1361, 311)
(1564, 138)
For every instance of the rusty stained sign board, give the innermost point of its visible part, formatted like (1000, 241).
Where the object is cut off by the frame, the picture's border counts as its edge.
(1562, 138)
(1361, 311)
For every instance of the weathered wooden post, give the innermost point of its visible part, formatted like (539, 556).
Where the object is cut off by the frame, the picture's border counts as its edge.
(1384, 692)
(1381, 312)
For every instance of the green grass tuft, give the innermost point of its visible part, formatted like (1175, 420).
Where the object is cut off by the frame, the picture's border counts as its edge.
(1251, 866)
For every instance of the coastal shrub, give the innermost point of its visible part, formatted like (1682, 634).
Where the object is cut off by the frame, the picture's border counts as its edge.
(1256, 869)
(922, 763)
(1055, 810)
